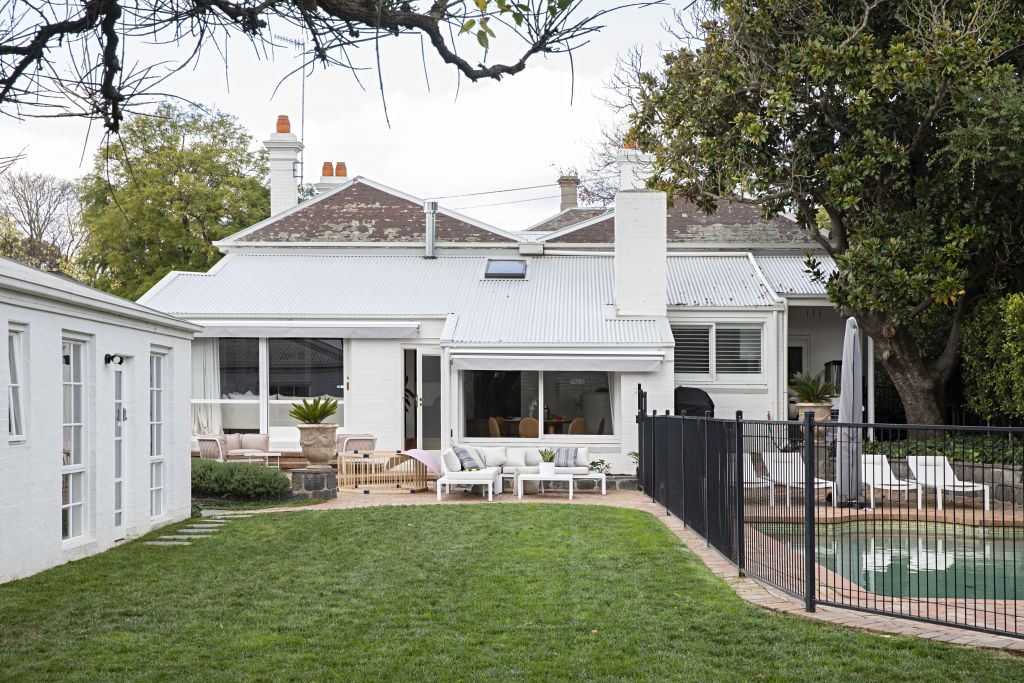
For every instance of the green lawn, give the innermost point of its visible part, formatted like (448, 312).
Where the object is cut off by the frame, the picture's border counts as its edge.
(455, 592)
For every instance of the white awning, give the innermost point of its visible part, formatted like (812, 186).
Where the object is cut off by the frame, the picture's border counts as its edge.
(519, 359)
(348, 329)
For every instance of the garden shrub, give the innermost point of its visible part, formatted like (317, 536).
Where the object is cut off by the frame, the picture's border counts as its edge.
(964, 447)
(237, 480)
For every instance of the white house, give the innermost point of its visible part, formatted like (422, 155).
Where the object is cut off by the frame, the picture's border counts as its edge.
(98, 431)
(431, 327)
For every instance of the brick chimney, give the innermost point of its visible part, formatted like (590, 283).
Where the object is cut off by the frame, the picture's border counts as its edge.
(284, 150)
(330, 178)
(569, 185)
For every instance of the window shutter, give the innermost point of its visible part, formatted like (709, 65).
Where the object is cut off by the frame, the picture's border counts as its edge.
(693, 350)
(738, 350)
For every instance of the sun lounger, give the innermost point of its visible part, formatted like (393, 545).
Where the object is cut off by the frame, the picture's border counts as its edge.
(753, 480)
(935, 472)
(877, 474)
(787, 469)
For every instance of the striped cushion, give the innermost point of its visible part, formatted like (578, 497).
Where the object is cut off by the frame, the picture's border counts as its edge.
(565, 457)
(470, 458)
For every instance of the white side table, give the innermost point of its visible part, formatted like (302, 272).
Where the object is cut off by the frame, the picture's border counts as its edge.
(542, 478)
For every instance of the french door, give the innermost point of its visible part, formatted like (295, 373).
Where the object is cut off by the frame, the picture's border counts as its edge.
(422, 399)
(120, 415)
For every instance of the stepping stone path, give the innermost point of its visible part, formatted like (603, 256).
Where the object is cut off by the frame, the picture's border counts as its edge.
(201, 528)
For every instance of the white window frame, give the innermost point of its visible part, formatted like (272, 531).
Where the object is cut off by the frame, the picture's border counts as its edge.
(120, 386)
(73, 474)
(714, 375)
(263, 400)
(16, 387)
(157, 440)
(613, 437)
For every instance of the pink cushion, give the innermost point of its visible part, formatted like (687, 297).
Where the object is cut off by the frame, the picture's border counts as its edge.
(232, 442)
(255, 442)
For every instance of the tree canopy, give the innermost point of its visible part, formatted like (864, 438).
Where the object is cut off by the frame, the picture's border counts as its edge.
(158, 197)
(903, 120)
(89, 57)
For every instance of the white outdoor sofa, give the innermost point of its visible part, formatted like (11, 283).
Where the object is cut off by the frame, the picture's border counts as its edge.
(509, 462)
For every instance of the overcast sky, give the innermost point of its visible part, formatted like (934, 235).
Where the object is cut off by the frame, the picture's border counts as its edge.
(495, 135)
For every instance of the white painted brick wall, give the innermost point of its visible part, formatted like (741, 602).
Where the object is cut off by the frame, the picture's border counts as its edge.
(30, 488)
(640, 253)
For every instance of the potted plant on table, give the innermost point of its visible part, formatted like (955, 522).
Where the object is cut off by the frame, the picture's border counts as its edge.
(812, 393)
(547, 461)
(317, 438)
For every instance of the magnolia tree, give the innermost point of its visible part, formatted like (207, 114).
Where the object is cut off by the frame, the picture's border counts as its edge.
(901, 120)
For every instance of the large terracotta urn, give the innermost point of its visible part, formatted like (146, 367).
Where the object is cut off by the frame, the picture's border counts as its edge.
(822, 413)
(319, 443)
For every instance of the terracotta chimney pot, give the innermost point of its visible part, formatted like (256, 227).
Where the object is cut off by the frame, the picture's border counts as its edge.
(283, 124)
(328, 170)
(340, 171)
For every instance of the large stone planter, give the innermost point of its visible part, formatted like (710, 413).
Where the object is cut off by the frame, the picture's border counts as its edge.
(822, 413)
(319, 443)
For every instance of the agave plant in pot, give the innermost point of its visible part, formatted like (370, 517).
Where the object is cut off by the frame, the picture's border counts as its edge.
(317, 438)
(547, 461)
(813, 393)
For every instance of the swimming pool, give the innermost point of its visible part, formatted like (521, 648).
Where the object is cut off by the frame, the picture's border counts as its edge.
(925, 561)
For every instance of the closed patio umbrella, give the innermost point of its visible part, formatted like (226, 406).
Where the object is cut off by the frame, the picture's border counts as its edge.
(851, 410)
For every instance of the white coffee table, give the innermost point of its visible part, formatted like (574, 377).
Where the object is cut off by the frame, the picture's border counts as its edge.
(543, 478)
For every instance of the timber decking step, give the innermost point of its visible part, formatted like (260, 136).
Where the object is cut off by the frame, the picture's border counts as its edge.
(168, 543)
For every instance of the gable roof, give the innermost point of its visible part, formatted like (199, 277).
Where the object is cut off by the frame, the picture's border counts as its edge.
(732, 223)
(362, 210)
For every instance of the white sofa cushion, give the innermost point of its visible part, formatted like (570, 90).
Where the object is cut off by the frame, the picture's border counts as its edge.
(532, 457)
(493, 457)
(507, 469)
(451, 461)
(478, 475)
(515, 457)
(572, 470)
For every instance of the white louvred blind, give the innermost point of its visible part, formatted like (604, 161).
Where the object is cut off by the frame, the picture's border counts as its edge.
(693, 349)
(738, 350)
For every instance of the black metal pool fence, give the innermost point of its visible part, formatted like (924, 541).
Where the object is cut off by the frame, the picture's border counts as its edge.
(917, 521)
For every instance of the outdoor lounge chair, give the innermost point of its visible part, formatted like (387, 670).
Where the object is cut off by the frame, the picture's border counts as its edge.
(877, 474)
(753, 480)
(934, 471)
(787, 469)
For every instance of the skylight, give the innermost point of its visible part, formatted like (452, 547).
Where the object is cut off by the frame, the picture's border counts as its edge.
(505, 269)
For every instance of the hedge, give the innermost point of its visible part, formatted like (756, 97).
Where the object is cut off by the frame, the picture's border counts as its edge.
(959, 447)
(237, 480)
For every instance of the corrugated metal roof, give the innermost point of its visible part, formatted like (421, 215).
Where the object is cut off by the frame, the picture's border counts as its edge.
(788, 274)
(563, 300)
(705, 280)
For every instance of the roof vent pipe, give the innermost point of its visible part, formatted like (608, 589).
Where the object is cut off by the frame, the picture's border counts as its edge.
(430, 209)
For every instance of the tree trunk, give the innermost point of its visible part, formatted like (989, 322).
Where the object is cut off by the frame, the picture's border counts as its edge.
(920, 389)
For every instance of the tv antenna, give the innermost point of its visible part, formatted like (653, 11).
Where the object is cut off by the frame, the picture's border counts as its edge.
(301, 46)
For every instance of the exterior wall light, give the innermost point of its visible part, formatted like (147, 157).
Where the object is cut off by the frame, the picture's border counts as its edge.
(113, 358)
